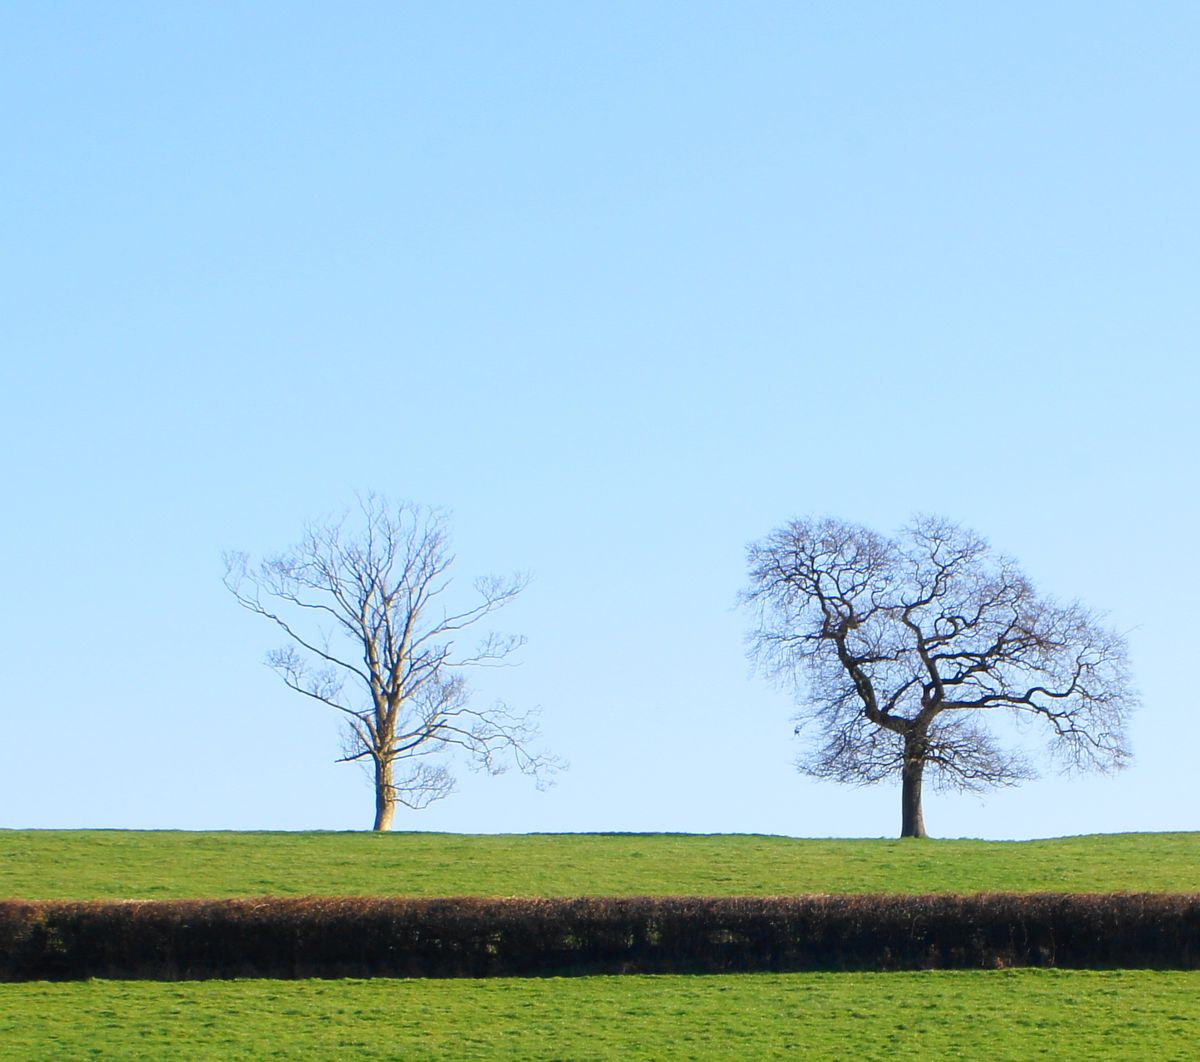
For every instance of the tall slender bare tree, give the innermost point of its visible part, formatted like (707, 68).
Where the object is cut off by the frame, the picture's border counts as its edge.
(369, 637)
(902, 650)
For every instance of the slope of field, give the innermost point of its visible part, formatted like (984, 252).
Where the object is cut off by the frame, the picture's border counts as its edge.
(114, 864)
(998, 1015)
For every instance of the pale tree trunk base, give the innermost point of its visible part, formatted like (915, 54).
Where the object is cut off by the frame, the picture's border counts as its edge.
(383, 818)
(385, 800)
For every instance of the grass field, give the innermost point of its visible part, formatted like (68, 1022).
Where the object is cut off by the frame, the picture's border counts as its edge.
(997, 1015)
(103, 864)
(1013, 1014)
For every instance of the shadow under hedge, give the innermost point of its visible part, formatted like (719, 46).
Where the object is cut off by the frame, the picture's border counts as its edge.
(469, 937)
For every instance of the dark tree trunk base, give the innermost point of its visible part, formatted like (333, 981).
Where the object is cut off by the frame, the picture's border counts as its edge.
(912, 815)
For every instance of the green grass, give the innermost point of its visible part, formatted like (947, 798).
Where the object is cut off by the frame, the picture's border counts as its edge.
(997, 1015)
(53, 864)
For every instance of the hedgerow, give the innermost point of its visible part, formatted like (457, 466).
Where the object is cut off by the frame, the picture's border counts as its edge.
(471, 937)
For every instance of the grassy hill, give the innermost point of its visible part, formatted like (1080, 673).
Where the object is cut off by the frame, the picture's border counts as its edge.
(998, 1014)
(115, 864)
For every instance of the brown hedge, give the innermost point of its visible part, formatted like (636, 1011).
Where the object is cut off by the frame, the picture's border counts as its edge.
(392, 937)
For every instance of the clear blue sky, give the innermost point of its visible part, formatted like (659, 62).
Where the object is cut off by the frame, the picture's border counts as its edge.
(624, 286)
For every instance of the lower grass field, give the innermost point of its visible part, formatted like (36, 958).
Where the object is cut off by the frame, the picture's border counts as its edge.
(995, 1015)
(118, 864)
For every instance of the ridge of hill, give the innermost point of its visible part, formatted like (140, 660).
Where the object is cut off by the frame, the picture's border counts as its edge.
(119, 864)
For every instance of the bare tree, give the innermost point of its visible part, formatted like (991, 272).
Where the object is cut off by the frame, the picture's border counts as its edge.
(370, 638)
(902, 651)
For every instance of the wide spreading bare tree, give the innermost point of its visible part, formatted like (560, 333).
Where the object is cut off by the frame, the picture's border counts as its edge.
(361, 605)
(903, 651)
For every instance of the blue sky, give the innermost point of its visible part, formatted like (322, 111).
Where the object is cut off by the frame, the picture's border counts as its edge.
(624, 286)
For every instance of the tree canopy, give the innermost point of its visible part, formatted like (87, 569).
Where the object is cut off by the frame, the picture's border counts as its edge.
(368, 636)
(905, 652)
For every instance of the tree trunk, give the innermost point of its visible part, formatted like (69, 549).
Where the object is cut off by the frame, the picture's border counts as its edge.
(912, 818)
(385, 796)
